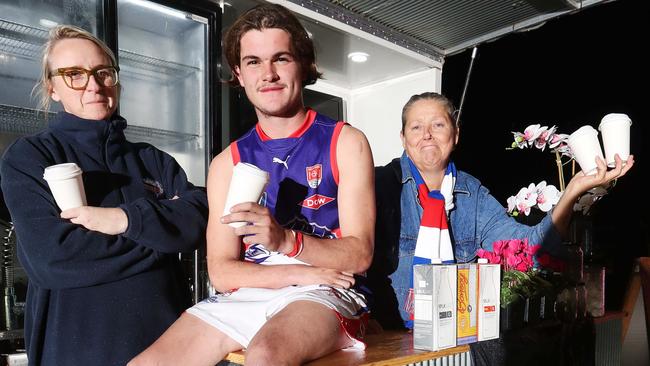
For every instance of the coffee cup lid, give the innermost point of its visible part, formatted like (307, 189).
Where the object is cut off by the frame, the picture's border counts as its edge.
(61, 171)
(583, 130)
(611, 117)
(252, 169)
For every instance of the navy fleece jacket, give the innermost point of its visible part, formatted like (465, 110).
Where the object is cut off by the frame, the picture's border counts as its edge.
(97, 299)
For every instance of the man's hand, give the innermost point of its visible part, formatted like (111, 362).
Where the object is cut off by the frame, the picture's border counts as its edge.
(107, 220)
(264, 229)
(324, 276)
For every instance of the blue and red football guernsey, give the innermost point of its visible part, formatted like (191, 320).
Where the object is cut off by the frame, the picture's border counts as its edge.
(303, 185)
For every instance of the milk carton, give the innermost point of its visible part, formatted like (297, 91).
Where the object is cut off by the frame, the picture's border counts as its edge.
(467, 309)
(489, 282)
(434, 325)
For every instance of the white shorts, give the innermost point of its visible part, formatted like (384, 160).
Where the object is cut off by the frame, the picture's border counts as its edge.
(240, 314)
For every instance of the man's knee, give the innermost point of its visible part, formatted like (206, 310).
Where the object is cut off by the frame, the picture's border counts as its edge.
(263, 356)
(267, 352)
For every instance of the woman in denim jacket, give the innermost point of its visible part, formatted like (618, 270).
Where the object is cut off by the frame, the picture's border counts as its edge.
(429, 135)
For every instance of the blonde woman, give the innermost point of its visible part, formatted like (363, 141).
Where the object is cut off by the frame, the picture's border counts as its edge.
(104, 279)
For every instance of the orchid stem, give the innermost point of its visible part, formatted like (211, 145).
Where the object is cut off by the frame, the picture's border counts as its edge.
(573, 167)
(560, 172)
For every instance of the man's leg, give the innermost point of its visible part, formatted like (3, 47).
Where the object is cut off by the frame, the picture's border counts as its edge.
(189, 341)
(302, 331)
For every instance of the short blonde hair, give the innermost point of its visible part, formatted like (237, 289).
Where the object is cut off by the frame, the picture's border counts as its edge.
(58, 33)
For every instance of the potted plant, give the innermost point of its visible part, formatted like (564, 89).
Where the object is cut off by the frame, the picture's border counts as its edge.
(540, 300)
(516, 259)
(513, 305)
(544, 196)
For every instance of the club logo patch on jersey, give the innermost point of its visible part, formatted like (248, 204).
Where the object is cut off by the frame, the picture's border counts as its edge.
(314, 175)
(316, 201)
(153, 186)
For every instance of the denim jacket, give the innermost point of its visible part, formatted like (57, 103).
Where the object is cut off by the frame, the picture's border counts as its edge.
(476, 221)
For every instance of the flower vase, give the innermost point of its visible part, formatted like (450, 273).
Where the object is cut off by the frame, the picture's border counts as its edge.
(532, 309)
(512, 315)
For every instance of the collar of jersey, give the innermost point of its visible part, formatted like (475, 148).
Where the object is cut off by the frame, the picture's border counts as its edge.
(309, 120)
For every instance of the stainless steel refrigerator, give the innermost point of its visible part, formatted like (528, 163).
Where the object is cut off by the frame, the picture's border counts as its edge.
(168, 53)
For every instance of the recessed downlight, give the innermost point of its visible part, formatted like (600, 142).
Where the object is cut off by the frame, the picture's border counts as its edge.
(47, 23)
(358, 57)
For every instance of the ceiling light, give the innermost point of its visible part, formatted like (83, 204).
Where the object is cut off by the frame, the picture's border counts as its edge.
(47, 23)
(358, 56)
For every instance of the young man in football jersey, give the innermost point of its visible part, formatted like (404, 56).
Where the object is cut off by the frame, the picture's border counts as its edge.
(286, 280)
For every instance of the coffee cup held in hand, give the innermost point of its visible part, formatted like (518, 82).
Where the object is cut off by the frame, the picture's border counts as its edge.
(585, 147)
(67, 186)
(246, 185)
(615, 131)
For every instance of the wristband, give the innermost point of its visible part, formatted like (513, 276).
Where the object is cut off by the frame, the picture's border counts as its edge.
(298, 244)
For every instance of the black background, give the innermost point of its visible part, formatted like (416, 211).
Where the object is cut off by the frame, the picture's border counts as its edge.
(570, 72)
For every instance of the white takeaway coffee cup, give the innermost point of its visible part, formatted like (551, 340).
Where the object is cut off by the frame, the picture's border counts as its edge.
(67, 186)
(246, 185)
(585, 147)
(615, 131)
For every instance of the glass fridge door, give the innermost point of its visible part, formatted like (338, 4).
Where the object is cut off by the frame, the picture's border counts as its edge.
(162, 53)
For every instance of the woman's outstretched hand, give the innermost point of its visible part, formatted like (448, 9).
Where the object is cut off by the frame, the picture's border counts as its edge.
(581, 183)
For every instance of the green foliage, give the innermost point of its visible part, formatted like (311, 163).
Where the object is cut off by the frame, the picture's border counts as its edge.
(517, 285)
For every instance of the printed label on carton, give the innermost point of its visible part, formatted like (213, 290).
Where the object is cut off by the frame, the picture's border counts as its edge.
(489, 301)
(467, 308)
(434, 325)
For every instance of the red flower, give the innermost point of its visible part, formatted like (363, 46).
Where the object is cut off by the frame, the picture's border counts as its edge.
(498, 246)
(554, 264)
(512, 254)
(491, 257)
(531, 250)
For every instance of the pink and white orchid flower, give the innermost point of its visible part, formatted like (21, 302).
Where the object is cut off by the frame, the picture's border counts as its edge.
(547, 196)
(540, 141)
(541, 196)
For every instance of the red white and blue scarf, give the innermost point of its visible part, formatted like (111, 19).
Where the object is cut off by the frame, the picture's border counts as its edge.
(434, 242)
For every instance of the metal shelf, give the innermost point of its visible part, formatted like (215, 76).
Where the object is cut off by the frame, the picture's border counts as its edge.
(157, 137)
(153, 68)
(27, 121)
(20, 39)
(12, 334)
(22, 121)
(26, 41)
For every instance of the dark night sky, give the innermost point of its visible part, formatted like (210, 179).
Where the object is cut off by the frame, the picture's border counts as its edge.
(570, 72)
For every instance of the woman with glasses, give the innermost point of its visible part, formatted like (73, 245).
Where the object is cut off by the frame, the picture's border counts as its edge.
(104, 279)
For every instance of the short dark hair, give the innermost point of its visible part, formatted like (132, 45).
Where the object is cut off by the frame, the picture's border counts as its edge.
(267, 16)
(449, 106)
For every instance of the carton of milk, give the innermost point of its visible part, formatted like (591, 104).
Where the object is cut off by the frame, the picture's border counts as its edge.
(467, 309)
(434, 323)
(489, 283)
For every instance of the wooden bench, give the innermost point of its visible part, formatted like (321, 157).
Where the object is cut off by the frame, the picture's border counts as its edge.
(387, 348)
